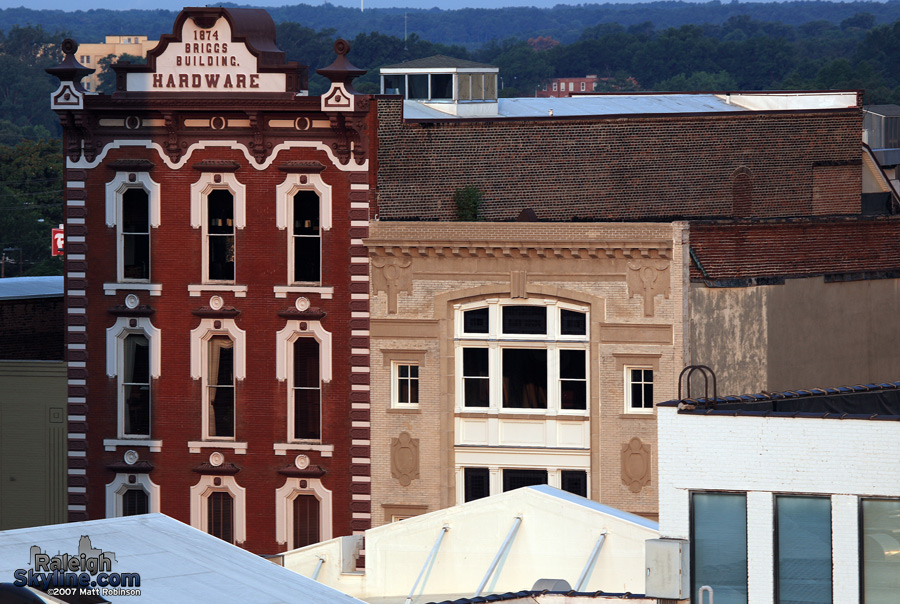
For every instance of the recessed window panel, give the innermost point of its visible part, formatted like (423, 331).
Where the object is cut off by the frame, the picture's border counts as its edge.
(220, 231)
(221, 386)
(307, 390)
(307, 237)
(525, 320)
(574, 481)
(803, 551)
(516, 479)
(572, 379)
(572, 323)
(418, 87)
(441, 86)
(524, 378)
(220, 516)
(135, 234)
(306, 520)
(719, 545)
(477, 483)
(475, 377)
(475, 321)
(880, 564)
(136, 386)
(135, 502)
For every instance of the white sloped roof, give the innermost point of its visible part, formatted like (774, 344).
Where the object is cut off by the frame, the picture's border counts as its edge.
(177, 563)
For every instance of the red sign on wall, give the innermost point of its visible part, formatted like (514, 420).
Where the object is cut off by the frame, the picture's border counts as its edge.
(58, 245)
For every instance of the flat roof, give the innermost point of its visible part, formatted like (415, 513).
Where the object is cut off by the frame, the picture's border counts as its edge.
(595, 105)
(879, 401)
(13, 288)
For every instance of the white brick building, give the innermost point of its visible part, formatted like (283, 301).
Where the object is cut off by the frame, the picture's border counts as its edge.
(790, 497)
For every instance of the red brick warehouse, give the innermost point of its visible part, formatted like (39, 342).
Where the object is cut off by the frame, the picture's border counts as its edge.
(217, 287)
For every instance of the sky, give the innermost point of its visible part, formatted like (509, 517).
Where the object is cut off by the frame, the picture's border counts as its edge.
(68, 5)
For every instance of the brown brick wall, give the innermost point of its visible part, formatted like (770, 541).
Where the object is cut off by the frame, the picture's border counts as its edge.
(632, 168)
(32, 330)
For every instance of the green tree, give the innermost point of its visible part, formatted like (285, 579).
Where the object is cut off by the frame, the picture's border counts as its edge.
(31, 193)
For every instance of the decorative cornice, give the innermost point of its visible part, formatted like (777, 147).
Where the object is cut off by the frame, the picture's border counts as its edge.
(216, 165)
(312, 314)
(226, 312)
(120, 310)
(140, 467)
(226, 469)
(521, 249)
(131, 165)
(314, 471)
(302, 167)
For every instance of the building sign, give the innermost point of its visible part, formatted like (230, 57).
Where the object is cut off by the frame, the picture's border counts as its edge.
(206, 60)
(58, 242)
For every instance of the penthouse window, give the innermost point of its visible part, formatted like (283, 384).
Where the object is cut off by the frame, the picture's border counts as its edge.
(522, 357)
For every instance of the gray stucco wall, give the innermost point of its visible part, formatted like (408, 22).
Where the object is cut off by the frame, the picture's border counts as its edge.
(803, 334)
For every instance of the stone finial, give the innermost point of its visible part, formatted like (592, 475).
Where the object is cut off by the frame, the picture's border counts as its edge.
(342, 71)
(70, 70)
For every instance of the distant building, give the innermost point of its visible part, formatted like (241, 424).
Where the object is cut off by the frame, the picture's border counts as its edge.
(90, 55)
(563, 87)
(33, 427)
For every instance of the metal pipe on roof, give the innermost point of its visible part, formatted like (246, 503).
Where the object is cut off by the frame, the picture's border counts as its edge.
(582, 580)
(503, 549)
(431, 556)
(315, 575)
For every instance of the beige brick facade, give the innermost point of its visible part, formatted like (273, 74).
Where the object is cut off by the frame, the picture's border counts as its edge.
(629, 279)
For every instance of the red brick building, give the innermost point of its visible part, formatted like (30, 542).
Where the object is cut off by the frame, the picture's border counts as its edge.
(217, 287)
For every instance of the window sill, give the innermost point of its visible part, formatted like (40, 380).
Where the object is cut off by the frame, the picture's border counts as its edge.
(638, 415)
(283, 448)
(281, 291)
(110, 444)
(403, 410)
(196, 446)
(110, 289)
(240, 291)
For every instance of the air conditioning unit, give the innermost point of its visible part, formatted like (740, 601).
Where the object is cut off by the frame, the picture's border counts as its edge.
(668, 570)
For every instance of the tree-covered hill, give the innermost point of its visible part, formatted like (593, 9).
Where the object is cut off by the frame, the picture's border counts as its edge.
(467, 27)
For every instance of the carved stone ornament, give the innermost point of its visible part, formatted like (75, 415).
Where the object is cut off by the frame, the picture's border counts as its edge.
(216, 459)
(301, 462)
(392, 276)
(405, 458)
(130, 457)
(636, 465)
(132, 301)
(648, 278)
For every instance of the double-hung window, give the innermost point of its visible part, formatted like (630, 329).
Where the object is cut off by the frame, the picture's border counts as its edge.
(306, 237)
(523, 357)
(220, 387)
(135, 235)
(307, 390)
(405, 392)
(220, 229)
(638, 390)
(135, 385)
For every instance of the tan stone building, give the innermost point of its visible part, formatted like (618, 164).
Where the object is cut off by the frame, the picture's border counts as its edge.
(509, 354)
(90, 55)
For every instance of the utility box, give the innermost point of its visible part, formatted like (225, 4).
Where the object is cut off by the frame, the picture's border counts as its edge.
(668, 570)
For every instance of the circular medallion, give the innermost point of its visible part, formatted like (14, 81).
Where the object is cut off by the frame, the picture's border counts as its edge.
(132, 301)
(302, 123)
(216, 459)
(216, 302)
(132, 122)
(302, 304)
(302, 462)
(130, 457)
(217, 123)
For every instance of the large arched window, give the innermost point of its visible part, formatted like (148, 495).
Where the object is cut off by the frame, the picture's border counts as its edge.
(522, 357)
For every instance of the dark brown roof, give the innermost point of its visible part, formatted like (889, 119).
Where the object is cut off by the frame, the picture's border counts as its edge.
(438, 62)
(844, 248)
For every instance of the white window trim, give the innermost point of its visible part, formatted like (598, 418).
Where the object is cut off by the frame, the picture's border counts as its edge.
(199, 512)
(116, 490)
(627, 386)
(284, 362)
(200, 337)
(284, 517)
(284, 210)
(395, 385)
(115, 190)
(200, 191)
(495, 342)
(115, 360)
